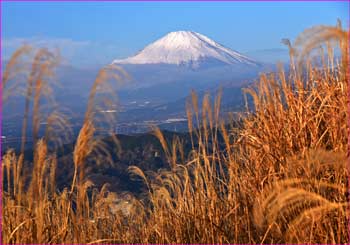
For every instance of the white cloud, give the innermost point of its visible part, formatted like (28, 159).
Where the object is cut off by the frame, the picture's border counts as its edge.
(74, 52)
(67, 47)
(43, 42)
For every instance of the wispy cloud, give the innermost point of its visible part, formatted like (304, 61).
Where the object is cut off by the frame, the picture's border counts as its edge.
(43, 42)
(73, 52)
(272, 55)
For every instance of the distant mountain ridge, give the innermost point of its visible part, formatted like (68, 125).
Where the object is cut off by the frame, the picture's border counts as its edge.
(187, 48)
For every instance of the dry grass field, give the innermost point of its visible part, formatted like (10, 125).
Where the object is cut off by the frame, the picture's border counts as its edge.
(283, 179)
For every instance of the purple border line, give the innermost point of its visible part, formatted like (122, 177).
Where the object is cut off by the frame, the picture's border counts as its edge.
(347, 75)
(1, 74)
(1, 186)
(33, 1)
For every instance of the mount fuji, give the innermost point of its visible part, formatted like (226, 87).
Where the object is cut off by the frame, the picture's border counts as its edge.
(168, 69)
(162, 75)
(187, 48)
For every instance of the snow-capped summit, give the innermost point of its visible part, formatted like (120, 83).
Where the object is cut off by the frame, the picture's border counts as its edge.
(186, 48)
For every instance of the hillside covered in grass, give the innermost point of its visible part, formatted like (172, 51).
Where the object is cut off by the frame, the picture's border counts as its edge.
(280, 176)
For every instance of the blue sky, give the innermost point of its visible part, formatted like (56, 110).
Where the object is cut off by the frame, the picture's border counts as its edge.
(93, 33)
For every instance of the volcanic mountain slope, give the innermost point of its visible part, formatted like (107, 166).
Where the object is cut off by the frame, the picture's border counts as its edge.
(187, 48)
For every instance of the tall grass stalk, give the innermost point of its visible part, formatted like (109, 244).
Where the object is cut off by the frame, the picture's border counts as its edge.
(280, 176)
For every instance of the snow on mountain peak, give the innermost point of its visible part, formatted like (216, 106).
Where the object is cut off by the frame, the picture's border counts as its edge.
(185, 48)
